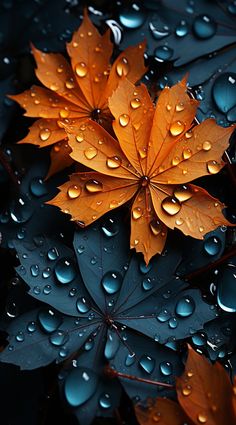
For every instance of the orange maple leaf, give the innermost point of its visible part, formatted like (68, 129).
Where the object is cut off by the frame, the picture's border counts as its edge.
(205, 396)
(77, 91)
(157, 153)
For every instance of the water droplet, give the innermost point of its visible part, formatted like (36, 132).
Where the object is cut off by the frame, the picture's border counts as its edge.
(81, 69)
(182, 29)
(105, 401)
(202, 418)
(166, 368)
(213, 167)
(145, 268)
(155, 227)
(89, 344)
(31, 327)
(185, 307)
(186, 391)
(124, 120)
(147, 363)
(82, 305)
(111, 282)
(177, 128)
(93, 186)
(36, 290)
(122, 67)
(53, 254)
(21, 210)
(70, 84)
(204, 26)
(34, 269)
(137, 213)
(147, 284)
(90, 152)
(113, 162)
(47, 289)
(206, 146)
(130, 359)
(80, 385)
(46, 272)
(44, 134)
(187, 153)
(49, 320)
(59, 338)
(226, 293)
(183, 193)
(173, 323)
(163, 53)
(135, 103)
(175, 161)
(110, 228)
(38, 187)
(224, 91)
(158, 32)
(212, 245)
(65, 270)
(74, 191)
(171, 205)
(132, 16)
(199, 339)
(112, 345)
(179, 107)
(163, 316)
(20, 337)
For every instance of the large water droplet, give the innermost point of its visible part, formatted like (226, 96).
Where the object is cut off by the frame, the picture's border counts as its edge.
(132, 16)
(226, 293)
(112, 345)
(122, 67)
(31, 327)
(147, 284)
(49, 320)
(185, 307)
(204, 26)
(213, 167)
(177, 128)
(163, 53)
(38, 187)
(111, 282)
(137, 213)
(82, 305)
(171, 205)
(110, 228)
(147, 363)
(74, 191)
(166, 368)
(21, 210)
(93, 186)
(113, 162)
(105, 401)
(183, 193)
(59, 338)
(53, 254)
(224, 91)
(44, 134)
(65, 270)
(124, 120)
(212, 245)
(81, 69)
(80, 385)
(163, 316)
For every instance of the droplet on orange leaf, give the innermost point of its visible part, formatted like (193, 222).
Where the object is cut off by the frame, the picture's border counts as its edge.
(156, 418)
(179, 221)
(74, 191)
(155, 227)
(201, 229)
(122, 67)
(206, 145)
(214, 408)
(190, 374)
(64, 113)
(113, 162)
(177, 128)
(44, 134)
(90, 152)
(175, 160)
(135, 103)
(136, 242)
(137, 213)
(36, 101)
(201, 418)
(183, 193)
(187, 153)
(124, 120)
(142, 153)
(171, 205)
(60, 69)
(213, 167)
(179, 107)
(113, 204)
(168, 107)
(186, 391)
(79, 137)
(70, 84)
(81, 69)
(54, 87)
(188, 134)
(93, 186)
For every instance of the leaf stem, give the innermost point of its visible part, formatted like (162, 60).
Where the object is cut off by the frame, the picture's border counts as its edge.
(112, 373)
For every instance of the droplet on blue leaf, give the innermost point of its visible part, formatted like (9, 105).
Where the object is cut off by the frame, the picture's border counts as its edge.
(226, 293)
(31, 327)
(204, 26)
(80, 385)
(34, 269)
(65, 270)
(53, 254)
(158, 32)
(20, 336)
(111, 282)
(130, 359)
(82, 305)
(112, 345)
(147, 363)
(105, 401)
(59, 338)
(38, 187)
(132, 16)
(110, 228)
(224, 91)
(163, 53)
(166, 368)
(199, 339)
(185, 307)
(173, 323)
(49, 320)
(212, 245)
(21, 210)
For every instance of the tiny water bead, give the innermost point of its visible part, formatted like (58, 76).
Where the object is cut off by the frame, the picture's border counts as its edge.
(74, 191)
(80, 385)
(113, 162)
(105, 401)
(46, 272)
(31, 327)
(185, 307)
(132, 16)
(81, 69)
(212, 245)
(49, 320)
(144, 269)
(177, 128)
(173, 323)
(20, 336)
(204, 27)
(38, 187)
(147, 284)
(171, 205)
(213, 167)
(59, 338)
(183, 193)
(130, 359)
(163, 53)
(111, 282)
(44, 134)
(82, 305)
(122, 67)
(124, 120)
(166, 368)
(224, 91)
(65, 270)
(147, 363)
(186, 391)
(93, 186)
